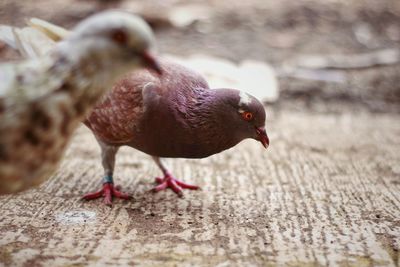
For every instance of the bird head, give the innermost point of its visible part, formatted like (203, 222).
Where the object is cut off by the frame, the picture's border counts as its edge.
(245, 116)
(117, 37)
(251, 114)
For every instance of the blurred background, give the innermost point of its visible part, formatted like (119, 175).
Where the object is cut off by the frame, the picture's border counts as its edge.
(330, 55)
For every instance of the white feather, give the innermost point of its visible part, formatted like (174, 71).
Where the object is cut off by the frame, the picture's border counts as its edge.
(29, 42)
(244, 98)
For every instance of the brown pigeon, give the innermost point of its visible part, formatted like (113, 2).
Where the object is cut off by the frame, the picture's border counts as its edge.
(43, 100)
(173, 115)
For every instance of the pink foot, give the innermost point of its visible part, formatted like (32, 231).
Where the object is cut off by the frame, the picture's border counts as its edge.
(174, 184)
(108, 191)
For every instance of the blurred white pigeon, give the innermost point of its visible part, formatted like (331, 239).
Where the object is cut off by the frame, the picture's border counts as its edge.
(44, 99)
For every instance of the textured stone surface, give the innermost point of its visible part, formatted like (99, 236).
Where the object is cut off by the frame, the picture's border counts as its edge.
(327, 192)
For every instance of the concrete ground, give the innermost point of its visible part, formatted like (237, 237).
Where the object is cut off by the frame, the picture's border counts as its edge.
(326, 193)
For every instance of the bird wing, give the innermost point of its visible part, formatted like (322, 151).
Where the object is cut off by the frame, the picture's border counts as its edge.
(29, 42)
(7, 78)
(28, 80)
(34, 41)
(116, 118)
(52, 31)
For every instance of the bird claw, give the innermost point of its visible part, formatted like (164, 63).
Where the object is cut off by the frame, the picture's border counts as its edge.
(108, 192)
(173, 183)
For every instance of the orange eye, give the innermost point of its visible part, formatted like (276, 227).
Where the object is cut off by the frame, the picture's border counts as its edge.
(119, 36)
(247, 115)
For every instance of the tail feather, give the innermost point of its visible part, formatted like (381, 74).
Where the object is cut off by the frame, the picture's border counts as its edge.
(33, 41)
(7, 35)
(54, 32)
(23, 45)
(29, 42)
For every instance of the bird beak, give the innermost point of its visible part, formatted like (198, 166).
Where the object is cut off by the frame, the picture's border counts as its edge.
(151, 62)
(262, 136)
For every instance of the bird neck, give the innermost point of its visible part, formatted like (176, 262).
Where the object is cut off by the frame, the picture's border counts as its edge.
(79, 81)
(87, 74)
(89, 66)
(221, 106)
(214, 121)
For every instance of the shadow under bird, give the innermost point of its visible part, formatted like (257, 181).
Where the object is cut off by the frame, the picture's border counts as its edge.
(42, 100)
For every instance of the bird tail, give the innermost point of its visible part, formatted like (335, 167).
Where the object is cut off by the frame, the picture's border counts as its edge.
(33, 41)
(52, 31)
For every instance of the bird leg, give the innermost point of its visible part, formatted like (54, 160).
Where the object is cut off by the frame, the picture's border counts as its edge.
(109, 190)
(170, 181)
